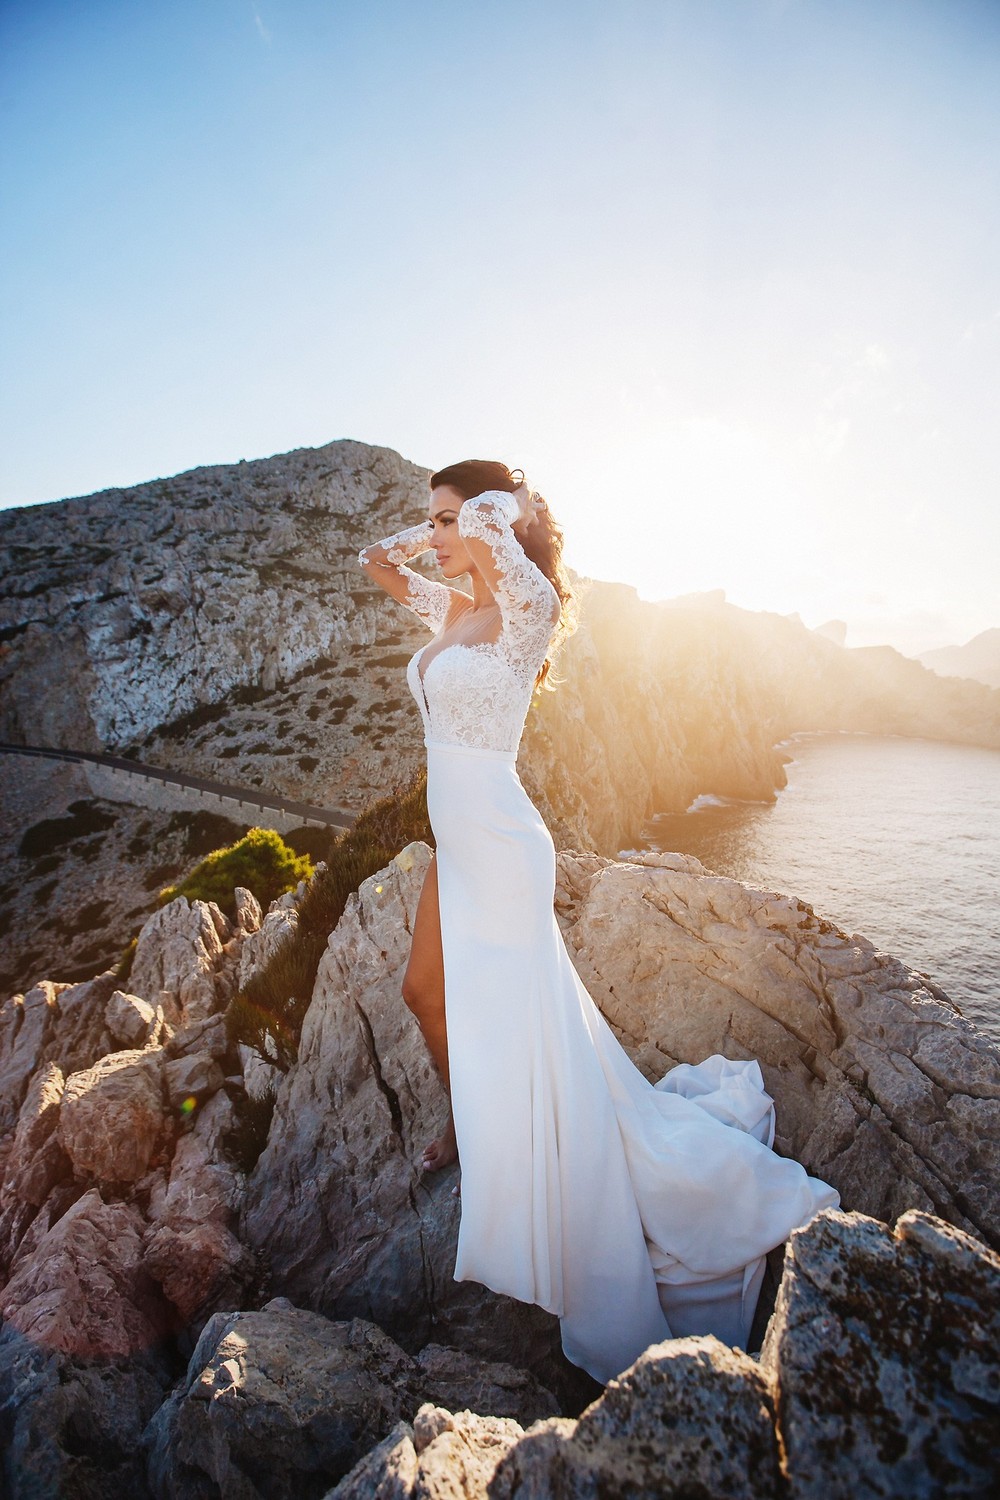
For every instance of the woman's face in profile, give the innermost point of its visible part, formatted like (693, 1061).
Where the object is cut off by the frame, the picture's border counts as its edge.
(449, 548)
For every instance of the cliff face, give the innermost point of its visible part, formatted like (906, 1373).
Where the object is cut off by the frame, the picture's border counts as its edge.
(217, 622)
(664, 701)
(206, 611)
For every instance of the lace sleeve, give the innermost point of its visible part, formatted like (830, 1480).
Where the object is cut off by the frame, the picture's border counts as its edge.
(529, 604)
(425, 596)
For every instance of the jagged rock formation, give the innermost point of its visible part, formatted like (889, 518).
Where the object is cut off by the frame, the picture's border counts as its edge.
(832, 1408)
(262, 1387)
(881, 1088)
(234, 635)
(127, 1231)
(118, 1202)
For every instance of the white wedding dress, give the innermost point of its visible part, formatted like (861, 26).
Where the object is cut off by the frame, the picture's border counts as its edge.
(634, 1212)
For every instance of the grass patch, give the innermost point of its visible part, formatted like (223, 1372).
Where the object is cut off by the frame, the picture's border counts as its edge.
(268, 1013)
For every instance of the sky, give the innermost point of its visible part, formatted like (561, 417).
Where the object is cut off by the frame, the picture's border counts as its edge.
(722, 276)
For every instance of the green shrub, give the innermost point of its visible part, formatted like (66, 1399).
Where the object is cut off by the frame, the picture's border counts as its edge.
(124, 966)
(261, 861)
(268, 1013)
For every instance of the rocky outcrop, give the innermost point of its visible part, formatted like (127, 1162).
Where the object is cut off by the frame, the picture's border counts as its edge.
(112, 1120)
(133, 1358)
(882, 1350)
(443, 1453)
(148, 602)
(119, 1204)
(297, 1399)
(178, 955)
(881, 1088)
(167, 647)
(884, 1345)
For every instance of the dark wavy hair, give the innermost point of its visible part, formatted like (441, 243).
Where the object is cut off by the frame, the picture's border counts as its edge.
(542, 543)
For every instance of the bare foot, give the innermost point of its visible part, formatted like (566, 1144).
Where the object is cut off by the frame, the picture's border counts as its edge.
(442, 1151)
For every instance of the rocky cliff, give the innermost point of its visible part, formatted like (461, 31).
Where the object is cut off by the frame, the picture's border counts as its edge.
(217, 622)
(978, 659)
(176, 1326)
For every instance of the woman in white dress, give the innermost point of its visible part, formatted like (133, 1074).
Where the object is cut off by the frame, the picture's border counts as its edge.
(634, 1212)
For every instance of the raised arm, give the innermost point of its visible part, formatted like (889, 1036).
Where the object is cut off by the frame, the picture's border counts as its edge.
(529, 604)
(384, 562)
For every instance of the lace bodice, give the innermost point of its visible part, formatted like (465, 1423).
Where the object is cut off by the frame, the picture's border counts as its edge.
(478, 693)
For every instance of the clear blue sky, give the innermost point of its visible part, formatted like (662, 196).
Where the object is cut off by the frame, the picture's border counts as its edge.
(723, 276)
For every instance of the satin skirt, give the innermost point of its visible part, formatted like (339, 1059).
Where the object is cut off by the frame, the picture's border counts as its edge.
(634, 1212)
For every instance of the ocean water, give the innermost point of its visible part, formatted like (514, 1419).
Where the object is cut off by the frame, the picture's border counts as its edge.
(898, 839)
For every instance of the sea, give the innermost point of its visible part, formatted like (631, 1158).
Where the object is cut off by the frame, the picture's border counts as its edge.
(894, 838)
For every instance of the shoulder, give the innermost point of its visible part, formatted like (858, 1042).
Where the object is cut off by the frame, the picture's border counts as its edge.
(459, 602)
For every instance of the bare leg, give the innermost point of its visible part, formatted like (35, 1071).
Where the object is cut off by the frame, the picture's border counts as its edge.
(423, 991)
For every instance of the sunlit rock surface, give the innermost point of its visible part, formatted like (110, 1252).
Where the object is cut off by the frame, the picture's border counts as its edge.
(127, 1230)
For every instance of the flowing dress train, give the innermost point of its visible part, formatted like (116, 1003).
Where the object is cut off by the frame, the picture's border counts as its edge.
(634, 1212)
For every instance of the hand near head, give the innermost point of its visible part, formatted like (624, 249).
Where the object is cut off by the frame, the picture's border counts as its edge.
(530, 505)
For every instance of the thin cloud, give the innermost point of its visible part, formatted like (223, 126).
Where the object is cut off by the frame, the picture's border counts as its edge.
(265, 35)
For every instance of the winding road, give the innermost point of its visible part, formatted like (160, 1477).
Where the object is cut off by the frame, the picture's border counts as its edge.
(239, 794)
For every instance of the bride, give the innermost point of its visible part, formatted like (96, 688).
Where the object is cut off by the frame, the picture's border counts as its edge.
(634, 1212)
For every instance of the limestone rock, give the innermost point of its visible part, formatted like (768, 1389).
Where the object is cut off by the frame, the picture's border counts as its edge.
(884, 1345)
(62, 1024)
(78, 1034)
(25, 1022)
(454, 1379)
(113, 1118)
(880, 1086)
(83, 1293)
(208, 1035)
(180, 948)
(260, 1078)
(387, 1472)
(72, 1428)
(191, 1247)
(292, 1396)
(248, 912)
(31, 1167)
(457, 1453)
(195, 1076)
(130, 1019)
(690, 1417)
(281, 1391)
(260, 946)
(80, 1374)
(34, 1163)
